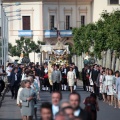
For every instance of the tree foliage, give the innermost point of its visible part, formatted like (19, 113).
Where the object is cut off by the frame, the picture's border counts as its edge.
(103, 35)
(24, 45)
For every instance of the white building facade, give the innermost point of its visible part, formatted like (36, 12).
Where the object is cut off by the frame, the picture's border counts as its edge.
(63, 15)
(99, 6)
(31, 23)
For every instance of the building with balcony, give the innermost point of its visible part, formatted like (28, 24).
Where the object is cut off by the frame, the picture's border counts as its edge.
(45, 20)
(31, 23)
(60, 16)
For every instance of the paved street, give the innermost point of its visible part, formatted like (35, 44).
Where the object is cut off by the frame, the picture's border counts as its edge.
(9, 110)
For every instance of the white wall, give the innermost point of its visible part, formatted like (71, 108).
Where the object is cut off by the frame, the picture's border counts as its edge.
(32, 9)
(100, 5)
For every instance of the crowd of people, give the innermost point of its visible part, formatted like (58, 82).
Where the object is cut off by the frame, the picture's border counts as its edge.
(48, 77)
(103, 82)
(26, 82)
(58, 108)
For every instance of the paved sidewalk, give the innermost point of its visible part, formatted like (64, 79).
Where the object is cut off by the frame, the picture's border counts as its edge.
(79, 83)
(9, 109)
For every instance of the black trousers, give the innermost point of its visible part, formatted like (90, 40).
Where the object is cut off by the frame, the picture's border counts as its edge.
(56, 86)
(96, 89)
(64, 81)
(50, 88)
(14, 90)
(46, 82)
(9, 78)
(2, 86)
(84, 85)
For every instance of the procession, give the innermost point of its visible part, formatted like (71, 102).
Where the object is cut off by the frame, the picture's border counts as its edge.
(59, 60)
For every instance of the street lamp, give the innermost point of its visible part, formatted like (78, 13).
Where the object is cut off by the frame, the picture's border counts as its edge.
(4, 29)
(14, 15)
(16, 4)
(18, 10)
(14, 19)
(40, 55)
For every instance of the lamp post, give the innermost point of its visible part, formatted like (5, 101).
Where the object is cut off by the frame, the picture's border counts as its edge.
(4, 30)
(40, 55)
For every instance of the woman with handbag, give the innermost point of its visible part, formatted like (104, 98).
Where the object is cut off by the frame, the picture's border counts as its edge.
(27, 96)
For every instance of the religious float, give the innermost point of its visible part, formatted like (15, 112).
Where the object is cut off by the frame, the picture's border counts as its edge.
(59, 53)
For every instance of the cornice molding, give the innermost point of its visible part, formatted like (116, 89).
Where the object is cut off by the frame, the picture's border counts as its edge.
(52, 10)
(68, 10)
(81, 10)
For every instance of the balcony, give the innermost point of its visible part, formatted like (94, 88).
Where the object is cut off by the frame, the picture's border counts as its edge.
(25, 33)
(52, 33)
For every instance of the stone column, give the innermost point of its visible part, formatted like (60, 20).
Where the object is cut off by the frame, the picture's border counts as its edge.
(100, 61)
(80, 63)
(117, 64)
(108, 60)
(82, 60)
(113, 61)
(103, 54)
(75, 60)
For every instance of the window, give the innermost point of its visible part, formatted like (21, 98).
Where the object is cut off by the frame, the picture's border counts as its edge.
(82, 20)
(114, 1)
(26, 22)
(67, 22)
(52, 21)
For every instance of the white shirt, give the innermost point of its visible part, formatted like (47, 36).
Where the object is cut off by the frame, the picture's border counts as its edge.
(8, 71)
(65, 71)
(77, 112)
(24, 76)
(46, 70)
(16, 77)
(55, 109)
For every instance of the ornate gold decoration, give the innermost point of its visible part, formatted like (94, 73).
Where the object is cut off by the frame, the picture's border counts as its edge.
(59, 54)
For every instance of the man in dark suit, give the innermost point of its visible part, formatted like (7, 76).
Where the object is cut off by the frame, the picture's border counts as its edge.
(14, 82)
(95, 73)
(74, 99)
(84, 71)
(64, 77)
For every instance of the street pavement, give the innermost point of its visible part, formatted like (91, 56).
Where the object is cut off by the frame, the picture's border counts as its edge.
(10, 111)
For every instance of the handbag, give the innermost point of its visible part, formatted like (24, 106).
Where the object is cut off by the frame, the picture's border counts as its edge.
(91, 82)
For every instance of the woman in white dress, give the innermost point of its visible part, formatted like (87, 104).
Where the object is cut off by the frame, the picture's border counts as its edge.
(71, 78)
(109, 83)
